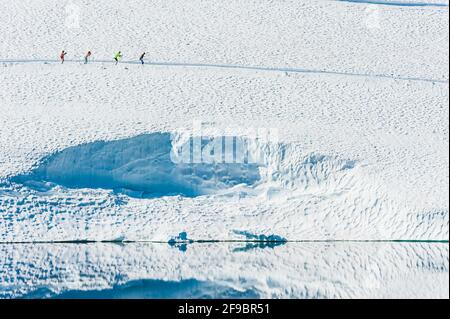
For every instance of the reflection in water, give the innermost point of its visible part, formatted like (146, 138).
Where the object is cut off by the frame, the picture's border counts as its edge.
(225, 270)
(152, 289)
(252, 241)
(259, 241)
(181, 241)
(259, 245)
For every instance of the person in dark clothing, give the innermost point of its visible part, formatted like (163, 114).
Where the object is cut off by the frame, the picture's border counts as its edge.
(141, 58)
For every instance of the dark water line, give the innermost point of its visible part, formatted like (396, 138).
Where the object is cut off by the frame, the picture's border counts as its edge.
(83, 242)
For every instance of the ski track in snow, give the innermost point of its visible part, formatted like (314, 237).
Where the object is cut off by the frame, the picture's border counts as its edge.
(229, 66)
(399, 3)
(315, 34)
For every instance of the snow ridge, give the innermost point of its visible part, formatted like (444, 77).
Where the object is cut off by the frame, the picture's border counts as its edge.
(147, 166)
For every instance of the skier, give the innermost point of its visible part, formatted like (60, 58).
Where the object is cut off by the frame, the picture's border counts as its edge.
(86, 57)
(63, 54)
(141, 58)
(117, 57)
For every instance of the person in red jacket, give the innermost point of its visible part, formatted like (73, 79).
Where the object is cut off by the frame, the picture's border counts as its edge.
(63, 54)
(86, 57)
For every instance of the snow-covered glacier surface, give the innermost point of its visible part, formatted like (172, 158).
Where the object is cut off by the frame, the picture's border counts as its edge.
(303, 120)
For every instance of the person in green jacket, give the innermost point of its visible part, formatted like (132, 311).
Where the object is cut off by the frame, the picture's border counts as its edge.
(117, 57)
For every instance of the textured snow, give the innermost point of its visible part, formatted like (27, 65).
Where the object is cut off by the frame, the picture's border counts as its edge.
(362, 115)
(313, 34)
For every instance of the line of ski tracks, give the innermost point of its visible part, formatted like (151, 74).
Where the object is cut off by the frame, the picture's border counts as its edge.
(238, 67)
(398, 3)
